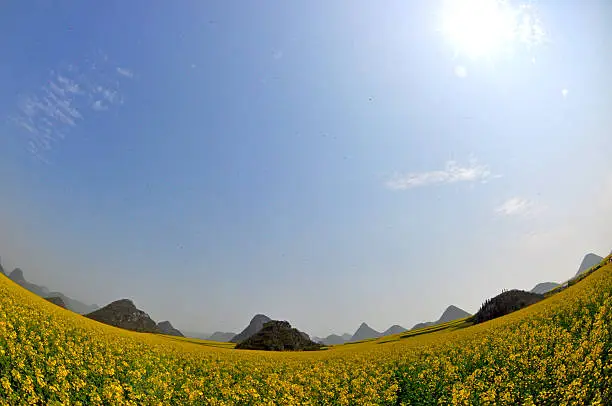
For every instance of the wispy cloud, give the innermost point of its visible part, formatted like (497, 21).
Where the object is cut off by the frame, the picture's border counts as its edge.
(514, 206)
(125, 72)
(519, 206)
(66, 99)
(452, 173)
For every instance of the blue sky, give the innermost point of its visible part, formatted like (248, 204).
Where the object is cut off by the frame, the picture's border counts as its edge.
(322, 163)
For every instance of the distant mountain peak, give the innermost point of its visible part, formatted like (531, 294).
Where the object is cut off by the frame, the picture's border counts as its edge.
(256, 324)
(56, 300)
(17, 275)
(394, 329)
(544, 287)
(589, 261)
(364, 332)
(451, 313)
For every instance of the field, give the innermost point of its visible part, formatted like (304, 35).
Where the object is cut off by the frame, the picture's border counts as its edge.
(554, 352)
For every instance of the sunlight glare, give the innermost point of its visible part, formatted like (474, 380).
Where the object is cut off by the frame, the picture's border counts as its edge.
(480, 28)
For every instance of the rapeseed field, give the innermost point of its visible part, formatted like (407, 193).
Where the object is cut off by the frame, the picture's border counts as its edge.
(555, 352)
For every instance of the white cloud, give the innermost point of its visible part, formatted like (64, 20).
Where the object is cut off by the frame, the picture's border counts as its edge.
(125, 72)
(452, 173)
(47, 114)
(517, 206)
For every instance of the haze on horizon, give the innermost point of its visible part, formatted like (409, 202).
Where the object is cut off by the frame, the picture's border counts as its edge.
(321, 163)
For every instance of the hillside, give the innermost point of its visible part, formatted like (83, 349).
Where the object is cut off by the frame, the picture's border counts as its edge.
(505, 303)
(568, 331)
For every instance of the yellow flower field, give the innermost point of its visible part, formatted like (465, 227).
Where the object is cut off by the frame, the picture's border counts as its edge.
(557, 351)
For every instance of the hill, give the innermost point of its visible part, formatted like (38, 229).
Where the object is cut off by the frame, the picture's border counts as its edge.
(57, 301)
(590, 260)
(256, 324)
(278, 336)
(394, 329)
(364, 332)
(221, 337)
(332, 339)
(18, 277)
(505, 303)
(451, 313)
(165, 327)
(544, 287)
(124, 314)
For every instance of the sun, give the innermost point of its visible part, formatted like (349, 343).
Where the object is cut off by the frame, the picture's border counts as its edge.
(484, 28)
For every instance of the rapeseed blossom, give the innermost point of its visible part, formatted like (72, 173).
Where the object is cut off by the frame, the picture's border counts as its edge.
(554, 352)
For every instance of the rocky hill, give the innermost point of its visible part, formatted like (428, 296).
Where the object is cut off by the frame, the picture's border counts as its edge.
(505, 303)
(124, 314)
(256, 324)
(451, 313)
(544, 287)
(165, 327)
(364, 332)
(57, 301)
(278, 336)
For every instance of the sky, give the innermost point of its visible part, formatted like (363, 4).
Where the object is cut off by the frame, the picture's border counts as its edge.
(325, 163)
